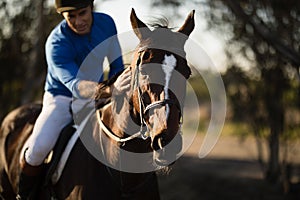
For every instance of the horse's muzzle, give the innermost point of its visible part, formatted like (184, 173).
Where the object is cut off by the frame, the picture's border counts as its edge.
(165, 153)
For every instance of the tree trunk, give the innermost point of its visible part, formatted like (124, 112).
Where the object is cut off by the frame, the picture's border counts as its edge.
(274, 104)
(33, 79)
(273, 171)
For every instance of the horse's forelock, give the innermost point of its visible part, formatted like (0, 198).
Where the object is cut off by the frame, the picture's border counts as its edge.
(161, 22)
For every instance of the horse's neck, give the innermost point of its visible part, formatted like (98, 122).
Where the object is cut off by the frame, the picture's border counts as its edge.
(116, 116)
(119, 118)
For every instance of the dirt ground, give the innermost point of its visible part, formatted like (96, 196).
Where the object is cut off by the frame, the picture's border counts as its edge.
(229, 172)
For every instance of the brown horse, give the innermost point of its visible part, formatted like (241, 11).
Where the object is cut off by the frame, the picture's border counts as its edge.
(126, 140)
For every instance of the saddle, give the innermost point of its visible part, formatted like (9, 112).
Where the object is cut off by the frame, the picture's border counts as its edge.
(65, 143)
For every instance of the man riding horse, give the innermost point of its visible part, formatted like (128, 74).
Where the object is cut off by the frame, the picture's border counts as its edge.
(67, 46)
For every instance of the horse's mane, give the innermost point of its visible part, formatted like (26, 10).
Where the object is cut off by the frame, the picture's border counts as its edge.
(101, 86)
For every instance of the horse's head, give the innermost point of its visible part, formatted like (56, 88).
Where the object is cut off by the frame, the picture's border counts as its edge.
(160, 73)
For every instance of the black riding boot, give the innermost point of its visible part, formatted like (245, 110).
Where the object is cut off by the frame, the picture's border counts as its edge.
(28, 182)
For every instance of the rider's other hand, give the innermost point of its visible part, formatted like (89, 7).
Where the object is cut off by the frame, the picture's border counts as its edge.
(122, 84)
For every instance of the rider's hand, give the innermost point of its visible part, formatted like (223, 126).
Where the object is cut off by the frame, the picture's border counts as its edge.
(122, 83)
(86, 88)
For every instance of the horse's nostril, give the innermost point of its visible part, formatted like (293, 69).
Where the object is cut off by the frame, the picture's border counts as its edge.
(158, 143)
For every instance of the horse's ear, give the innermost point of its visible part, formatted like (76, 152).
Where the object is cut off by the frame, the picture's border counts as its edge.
(188, 25)
(140, 29)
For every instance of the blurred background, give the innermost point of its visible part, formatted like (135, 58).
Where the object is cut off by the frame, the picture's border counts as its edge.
(254, 46)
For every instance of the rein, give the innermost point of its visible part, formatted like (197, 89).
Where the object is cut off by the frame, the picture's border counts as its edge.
(112, 135)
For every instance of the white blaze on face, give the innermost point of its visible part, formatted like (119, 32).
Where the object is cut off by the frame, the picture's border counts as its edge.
(168, 66)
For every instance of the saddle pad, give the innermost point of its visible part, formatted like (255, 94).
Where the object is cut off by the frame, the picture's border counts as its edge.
(64, 157)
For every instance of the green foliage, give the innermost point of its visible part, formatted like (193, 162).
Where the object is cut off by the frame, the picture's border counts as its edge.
(247, 100)
(199, 87)
(240, 129)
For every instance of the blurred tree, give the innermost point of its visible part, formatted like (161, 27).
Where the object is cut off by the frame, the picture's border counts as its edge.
(245, 95)
(266, 35)
(22, 39)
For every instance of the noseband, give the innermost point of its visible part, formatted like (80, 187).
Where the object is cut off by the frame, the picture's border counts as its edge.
(144, 129)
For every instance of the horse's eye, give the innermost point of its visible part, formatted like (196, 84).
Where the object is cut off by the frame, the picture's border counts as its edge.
(146, 55)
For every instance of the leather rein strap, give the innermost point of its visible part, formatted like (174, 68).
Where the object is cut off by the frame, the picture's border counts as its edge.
(111, 134)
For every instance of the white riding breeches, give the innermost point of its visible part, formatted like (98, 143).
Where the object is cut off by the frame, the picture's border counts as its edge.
(55, 115)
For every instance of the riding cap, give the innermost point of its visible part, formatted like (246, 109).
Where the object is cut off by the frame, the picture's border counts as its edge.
(68, 5)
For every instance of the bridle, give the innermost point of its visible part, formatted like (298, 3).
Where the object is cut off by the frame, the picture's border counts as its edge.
(143, 110)
(144, 129)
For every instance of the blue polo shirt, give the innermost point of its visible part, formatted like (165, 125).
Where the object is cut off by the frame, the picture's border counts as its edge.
(72, 57)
